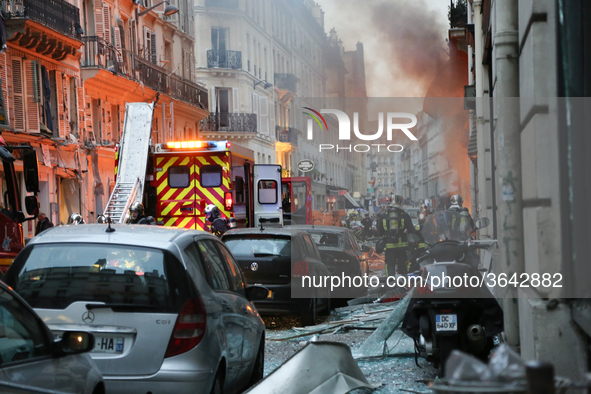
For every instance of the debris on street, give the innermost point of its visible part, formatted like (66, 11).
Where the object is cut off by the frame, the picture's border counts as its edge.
(318, 368)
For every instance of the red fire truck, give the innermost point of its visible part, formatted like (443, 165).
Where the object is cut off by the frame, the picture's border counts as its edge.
(297, 200)
(186, 176)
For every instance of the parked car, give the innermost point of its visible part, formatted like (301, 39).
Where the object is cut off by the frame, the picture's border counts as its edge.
(278, 258)
(31, 359)
(339, 249)
(169, 308)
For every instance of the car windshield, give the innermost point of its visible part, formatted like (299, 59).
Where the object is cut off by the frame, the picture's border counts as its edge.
(326, 239)
(447, 225)
(54, 276)
(250, 246)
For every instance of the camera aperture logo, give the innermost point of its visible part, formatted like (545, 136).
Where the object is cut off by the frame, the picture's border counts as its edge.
(392, 124)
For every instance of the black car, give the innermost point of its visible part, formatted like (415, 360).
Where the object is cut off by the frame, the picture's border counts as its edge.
(341, 254)
(285, 262)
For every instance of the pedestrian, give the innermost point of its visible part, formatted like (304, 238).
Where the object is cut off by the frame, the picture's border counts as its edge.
(43, 223)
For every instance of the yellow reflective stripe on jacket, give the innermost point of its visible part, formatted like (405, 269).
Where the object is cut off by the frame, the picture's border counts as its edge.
(398, 245)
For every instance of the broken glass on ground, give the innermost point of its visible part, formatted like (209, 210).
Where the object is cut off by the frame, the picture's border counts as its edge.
(376, 345)
(318, 368)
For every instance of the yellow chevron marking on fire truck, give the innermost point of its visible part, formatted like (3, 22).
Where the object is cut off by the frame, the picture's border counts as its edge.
(184, 222)
(218, 160)
(170, 222)
(213, 199)
(202, 160)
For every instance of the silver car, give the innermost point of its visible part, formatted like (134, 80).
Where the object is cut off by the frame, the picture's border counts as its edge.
(32, 360)
(169, 308)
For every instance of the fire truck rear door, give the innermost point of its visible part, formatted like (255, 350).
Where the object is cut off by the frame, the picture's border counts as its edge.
(176, 192)
(267, 194)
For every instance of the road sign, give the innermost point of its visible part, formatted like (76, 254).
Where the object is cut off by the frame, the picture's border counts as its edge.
(375, 209)
(370, 189)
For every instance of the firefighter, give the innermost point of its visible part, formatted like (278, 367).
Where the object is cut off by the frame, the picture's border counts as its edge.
(466, 223)
(395, 224)
(219, 225)
(416, 250)
(137, 214)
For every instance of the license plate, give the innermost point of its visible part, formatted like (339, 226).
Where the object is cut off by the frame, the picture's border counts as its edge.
(446, 322)
(108, 344)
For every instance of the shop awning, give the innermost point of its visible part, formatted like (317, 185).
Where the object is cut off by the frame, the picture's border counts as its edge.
(350, 203)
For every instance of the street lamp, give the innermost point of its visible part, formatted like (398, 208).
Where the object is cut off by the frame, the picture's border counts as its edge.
(266, 86)
(168, 11)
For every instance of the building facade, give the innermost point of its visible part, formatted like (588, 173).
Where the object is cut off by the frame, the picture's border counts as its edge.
(66, 80)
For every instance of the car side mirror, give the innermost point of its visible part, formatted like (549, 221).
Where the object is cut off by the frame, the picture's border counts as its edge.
(32, 205)
(256, 293)
(75, 342)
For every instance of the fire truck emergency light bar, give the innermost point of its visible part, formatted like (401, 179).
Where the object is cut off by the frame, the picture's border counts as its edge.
(210, 145)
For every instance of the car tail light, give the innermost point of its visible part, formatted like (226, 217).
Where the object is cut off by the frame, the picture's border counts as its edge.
(228, 201)
(300, 268)
(189, 328)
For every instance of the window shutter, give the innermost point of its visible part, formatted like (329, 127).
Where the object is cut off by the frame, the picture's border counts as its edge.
(99, 19)
(121, 119)
(264, 115)
(65, 108)
(118, 46)
(255, 110)
(32, 96)
(4, 76)
(213, 102)
(81, 112)
(59, 93)
(235, 101)
(107, 23)
(89, 128)
(153, 51)
(18, 93)
(107, 124)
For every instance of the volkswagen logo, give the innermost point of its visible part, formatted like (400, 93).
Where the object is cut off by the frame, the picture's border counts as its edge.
(254, 266)
(88, 317)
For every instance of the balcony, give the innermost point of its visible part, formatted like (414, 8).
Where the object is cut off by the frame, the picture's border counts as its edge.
(98, 54)
(48, 27)
(233, 123)
(286, 82)
(286, 135)
(224, 59)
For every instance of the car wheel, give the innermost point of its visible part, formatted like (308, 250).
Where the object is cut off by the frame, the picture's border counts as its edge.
(218, 384)
(259, 365)
(310, 315)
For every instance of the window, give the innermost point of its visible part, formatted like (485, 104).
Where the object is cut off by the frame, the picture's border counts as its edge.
(309, 245)
(179, 177)
(267, 192)
(250, 247)
(219, 41)
(211, 176)
(214, 266)
(21, 334)
(53, 276)
(235, 273)
(192, 253)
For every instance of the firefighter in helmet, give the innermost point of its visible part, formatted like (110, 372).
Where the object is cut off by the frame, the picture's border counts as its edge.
(465, 225)
(136, 212)
(395, 224)
(219, 225)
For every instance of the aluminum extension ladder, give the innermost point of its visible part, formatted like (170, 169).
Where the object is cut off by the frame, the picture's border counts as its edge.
(133, 159)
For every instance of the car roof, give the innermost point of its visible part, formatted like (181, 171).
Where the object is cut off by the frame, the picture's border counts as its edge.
(138, 235)
(314, 228)
(266, 231)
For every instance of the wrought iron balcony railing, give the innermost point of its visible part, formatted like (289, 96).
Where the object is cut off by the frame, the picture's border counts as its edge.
(58, 15)
(287, 135)
(286, 82)
(235, 123)
(99, 54)
(224, 59)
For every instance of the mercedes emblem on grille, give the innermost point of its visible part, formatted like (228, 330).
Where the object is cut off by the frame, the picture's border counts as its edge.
(254, 266)
(88, 317)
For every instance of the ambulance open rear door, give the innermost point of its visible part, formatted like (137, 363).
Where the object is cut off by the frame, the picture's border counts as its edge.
(267, 195)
